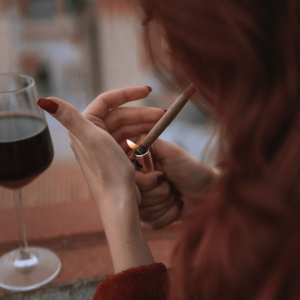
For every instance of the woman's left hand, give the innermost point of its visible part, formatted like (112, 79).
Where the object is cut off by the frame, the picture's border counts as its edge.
(105, 166)
(107, 170)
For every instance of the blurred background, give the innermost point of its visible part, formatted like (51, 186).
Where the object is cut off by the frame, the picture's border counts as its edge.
(75, 50)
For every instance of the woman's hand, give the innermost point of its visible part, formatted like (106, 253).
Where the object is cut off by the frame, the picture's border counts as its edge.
(123, 122)
(108, 172)
(186, 179)
(105, 166)
(98, 154)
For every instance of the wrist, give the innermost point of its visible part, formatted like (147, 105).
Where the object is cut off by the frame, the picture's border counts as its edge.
(118, 206)
(127, 243)
(115, 197)
(124, 234)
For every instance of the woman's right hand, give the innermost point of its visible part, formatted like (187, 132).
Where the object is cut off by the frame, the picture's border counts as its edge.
(173, 190)
(186, 179)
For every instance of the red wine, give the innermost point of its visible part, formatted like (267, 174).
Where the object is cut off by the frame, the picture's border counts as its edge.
(25, 150)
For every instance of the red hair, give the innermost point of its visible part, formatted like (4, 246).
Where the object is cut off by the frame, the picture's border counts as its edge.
(243, 57)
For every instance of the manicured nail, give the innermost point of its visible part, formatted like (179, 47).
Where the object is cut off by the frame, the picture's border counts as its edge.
(149, 88)
(160, 178)
(179, 204)
(48, 105)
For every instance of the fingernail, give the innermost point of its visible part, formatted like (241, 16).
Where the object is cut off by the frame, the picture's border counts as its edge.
(165, 110)
(149, 88)
(48, 105)
(179, 204)
(160, 178)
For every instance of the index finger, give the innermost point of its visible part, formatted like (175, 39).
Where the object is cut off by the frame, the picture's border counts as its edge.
(129, 115)
(112, 99)
(68, 116)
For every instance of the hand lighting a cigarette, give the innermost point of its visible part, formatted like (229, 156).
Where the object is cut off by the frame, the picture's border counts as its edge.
(142, 158)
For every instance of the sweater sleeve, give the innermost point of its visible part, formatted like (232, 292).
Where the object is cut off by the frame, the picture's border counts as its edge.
(141, 283)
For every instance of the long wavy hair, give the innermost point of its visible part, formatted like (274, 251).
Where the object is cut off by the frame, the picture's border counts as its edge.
(244, 58)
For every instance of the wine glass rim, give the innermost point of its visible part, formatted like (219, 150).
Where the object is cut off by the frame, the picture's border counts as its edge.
(31, 84)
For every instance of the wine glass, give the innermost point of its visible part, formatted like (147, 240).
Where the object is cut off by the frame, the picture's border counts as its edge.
(25, 152)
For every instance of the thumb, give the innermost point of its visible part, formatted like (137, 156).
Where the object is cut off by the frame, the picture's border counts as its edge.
(67, 115)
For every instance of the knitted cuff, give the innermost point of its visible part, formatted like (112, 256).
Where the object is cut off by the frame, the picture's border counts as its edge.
(141, 283)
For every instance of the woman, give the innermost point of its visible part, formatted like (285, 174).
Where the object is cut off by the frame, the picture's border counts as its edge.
(241, 238)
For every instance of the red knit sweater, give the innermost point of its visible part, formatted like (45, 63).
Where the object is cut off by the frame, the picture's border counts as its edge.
(141, 283)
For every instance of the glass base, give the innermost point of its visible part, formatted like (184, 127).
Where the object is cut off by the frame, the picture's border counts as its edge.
(24, 275)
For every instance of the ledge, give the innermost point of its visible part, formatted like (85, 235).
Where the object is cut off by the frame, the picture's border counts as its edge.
(75, 233)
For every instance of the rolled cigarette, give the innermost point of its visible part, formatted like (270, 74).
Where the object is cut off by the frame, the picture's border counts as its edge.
(166, 119)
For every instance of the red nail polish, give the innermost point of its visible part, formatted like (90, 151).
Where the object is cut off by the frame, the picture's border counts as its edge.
(48, 105)
(160, 178)
(149, 88)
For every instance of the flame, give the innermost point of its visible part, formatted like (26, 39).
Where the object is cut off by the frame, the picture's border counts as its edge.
(131, 144)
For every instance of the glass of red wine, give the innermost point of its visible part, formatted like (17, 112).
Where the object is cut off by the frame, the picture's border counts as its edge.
(25, 152)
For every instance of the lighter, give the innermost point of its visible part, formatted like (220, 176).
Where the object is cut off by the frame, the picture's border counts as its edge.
(142, 161)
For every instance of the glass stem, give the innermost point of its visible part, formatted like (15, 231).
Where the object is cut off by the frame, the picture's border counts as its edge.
(24, 253)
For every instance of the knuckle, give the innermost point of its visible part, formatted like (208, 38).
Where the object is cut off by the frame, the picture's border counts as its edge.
(145, 215)
(68, 120)
(149, 184)
(105, 100)
(145, 183)
(125, 95)
(165, 189)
